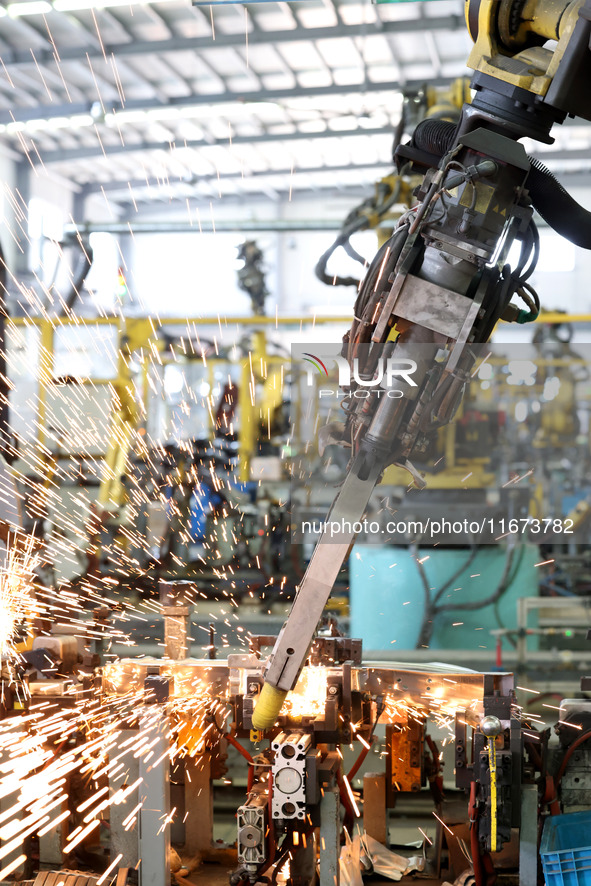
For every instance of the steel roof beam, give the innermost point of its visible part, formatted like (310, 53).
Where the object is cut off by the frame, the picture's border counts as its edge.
(173, 203)
(108, 151)
(135, 226)
(109, 186)
(46, 112)
(255, 37)
(86, 153)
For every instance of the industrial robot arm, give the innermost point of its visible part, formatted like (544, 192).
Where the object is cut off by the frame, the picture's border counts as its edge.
(443, 279)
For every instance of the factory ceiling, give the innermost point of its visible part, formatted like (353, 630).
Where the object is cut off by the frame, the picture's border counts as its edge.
(159, 102)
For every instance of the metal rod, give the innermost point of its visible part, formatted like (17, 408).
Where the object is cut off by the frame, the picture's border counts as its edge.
(311, 320)
(215, 320)
(172, 227)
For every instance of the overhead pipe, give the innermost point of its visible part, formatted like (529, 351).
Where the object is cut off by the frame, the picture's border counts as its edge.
(73, 231)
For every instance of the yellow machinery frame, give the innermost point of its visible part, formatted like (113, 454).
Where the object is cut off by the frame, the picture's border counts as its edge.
(137, 333)
(141, 333)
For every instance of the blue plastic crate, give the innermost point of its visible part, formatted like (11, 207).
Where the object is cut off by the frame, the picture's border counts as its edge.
(566, 849)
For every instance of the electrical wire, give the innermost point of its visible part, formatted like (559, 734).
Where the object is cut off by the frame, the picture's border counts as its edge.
(365, 750)
(432, 610)
(444, 587)
(370, 295)
(358, 220)
(534, 255)
(79, 274)
(358, 762)
(350, 814)
(504, 583)
(231, 738)
(431, 602)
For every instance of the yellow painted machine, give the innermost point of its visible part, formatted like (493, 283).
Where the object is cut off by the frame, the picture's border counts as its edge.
(393, 194)
(443, 280)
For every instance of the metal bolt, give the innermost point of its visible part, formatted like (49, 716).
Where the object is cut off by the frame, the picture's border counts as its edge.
(333, 690)
(250, 836)
(252, 688)
(491, 726)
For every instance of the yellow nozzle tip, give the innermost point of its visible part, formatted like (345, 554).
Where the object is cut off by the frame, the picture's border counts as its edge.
(268, 706)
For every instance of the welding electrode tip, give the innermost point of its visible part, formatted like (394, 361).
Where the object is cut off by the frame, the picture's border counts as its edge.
(268, 706)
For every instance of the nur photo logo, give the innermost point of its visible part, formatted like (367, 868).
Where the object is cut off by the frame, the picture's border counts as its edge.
(387, 372)
(316, 362)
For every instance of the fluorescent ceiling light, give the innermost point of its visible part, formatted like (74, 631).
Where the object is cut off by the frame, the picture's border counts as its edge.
(157, 114)
(74, 5)
(70, 5)
(227, 109)
(187, 112)
(29, 7)
(147, 116)
(76, 121)
(124, 117)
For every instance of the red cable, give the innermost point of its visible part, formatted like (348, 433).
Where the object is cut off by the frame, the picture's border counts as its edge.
(550, 797)
(350, 813)
(233, 741)
(499, 653)
(358, 762)
(489, 869)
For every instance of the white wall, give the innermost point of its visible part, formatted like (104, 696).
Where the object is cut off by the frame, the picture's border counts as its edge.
(8, 205)
(180, 274)
(196, 273)
(569, 291)
(193, 274)
(52, 206)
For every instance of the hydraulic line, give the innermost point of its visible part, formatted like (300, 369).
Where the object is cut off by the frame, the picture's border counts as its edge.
(550, 199)
(434, 136)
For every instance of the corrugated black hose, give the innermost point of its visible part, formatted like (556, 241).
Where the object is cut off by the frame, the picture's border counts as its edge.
(556, 206)
(434, 136)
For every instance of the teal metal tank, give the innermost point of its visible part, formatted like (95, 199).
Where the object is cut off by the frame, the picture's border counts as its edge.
(387, 596)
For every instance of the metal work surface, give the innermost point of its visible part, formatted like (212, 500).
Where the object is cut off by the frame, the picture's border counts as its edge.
(436, 687)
